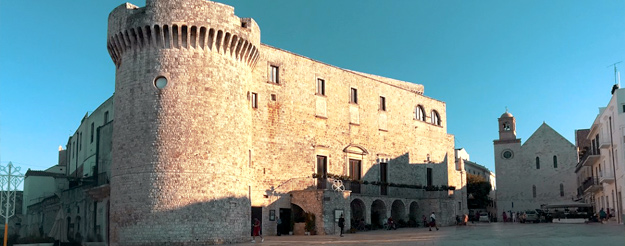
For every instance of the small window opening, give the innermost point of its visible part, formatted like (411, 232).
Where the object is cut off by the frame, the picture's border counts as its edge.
(254, 100)
(275, 74)
(383, 103)
(354, 96)
(321, 87)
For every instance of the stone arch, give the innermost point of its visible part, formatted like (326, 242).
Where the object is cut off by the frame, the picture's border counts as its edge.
(413, 215)
(398, 210)
(298, 213)
(356, 149)
(358, 211)
(378, 213)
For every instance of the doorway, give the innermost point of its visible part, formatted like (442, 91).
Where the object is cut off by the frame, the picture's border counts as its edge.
(285, 216)
(257, 213)
(355, 168)
(383, 180)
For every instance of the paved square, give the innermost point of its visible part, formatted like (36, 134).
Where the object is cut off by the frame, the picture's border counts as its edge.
(509, 234)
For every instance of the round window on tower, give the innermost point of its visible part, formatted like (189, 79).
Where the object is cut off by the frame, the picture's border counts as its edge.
(507, 154)
(160, 82)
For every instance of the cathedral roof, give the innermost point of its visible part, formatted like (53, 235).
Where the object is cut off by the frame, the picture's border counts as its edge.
(545, 130)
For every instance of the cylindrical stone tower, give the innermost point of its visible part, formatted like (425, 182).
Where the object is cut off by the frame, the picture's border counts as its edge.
(182, 123)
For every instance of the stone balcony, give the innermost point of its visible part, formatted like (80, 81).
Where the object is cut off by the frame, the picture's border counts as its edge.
(606, 178)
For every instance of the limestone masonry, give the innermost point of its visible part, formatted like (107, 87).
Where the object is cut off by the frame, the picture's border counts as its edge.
(539, 172)
(213, 128)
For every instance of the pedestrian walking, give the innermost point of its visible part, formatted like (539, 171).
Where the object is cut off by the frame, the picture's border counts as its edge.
(341, 224)
(505, 216)
(256, 231)
(602, 215)
(433, 221)
(279, 225)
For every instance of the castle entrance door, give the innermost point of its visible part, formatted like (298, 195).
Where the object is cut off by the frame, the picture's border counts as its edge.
(257, 212)
(285, 216)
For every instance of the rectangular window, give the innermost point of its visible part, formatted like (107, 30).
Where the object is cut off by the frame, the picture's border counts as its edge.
(321, 87)
(355, 169)
(322, 171)
(92, 130)
(383, 103)
(254, 100)
(106, 117)
(353, 96)
(274, 74)
(623, 108)
(429, 177)
(383, 179)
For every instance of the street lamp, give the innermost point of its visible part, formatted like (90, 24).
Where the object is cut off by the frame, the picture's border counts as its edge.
(9, 175)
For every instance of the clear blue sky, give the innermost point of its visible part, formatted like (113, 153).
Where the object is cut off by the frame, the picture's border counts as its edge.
(544, 60)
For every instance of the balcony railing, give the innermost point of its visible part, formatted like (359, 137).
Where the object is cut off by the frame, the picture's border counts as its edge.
(606, 178)
(604, 144)
(367, 189)
(589, 158)
(580, 191)
(592, 184)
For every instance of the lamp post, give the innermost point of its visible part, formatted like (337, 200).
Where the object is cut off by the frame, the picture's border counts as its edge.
(9, 175)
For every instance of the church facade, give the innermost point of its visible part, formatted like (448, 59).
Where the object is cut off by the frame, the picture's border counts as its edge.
(535, 173)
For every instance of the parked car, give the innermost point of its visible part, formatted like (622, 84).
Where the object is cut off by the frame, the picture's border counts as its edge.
(484, 217)
(531, 215)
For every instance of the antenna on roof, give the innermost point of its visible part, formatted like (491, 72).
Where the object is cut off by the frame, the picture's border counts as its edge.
(617, 77)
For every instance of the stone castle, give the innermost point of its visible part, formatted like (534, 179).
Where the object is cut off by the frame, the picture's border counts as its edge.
(213, 128)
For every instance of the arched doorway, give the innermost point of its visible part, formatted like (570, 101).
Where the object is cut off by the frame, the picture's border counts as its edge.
(378, 213)
(358, 209)
(398, 211)
(414, 214)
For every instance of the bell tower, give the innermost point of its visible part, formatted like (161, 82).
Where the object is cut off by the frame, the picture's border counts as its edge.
(507, 126)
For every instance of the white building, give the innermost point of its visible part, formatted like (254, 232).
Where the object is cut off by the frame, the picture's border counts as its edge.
(538, 172)
(601, 168)
(78, 187)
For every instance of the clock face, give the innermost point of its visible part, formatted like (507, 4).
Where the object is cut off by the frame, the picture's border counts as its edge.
(507, 154)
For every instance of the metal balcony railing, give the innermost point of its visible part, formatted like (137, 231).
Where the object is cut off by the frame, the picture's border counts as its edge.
(368, 189)
(591, 184)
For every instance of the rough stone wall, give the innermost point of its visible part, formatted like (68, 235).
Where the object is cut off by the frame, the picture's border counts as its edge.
(290, 132)
(517, 176)
(192, 157)
(180, 158)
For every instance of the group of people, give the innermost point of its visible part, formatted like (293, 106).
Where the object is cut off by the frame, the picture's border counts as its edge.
(462, 219)
(431, 223)
(605, 216)
(510, 216)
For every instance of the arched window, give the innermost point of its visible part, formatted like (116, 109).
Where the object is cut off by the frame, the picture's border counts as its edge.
(534, 191)
(420, 113)
(506, 126)
(555, 161)
(537, 162)
(561, 189)
(436, 118)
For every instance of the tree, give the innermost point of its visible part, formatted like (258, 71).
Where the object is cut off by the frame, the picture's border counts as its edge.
(479, 188)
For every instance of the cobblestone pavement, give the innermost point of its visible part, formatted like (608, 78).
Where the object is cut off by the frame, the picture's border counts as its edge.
(508, 234)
